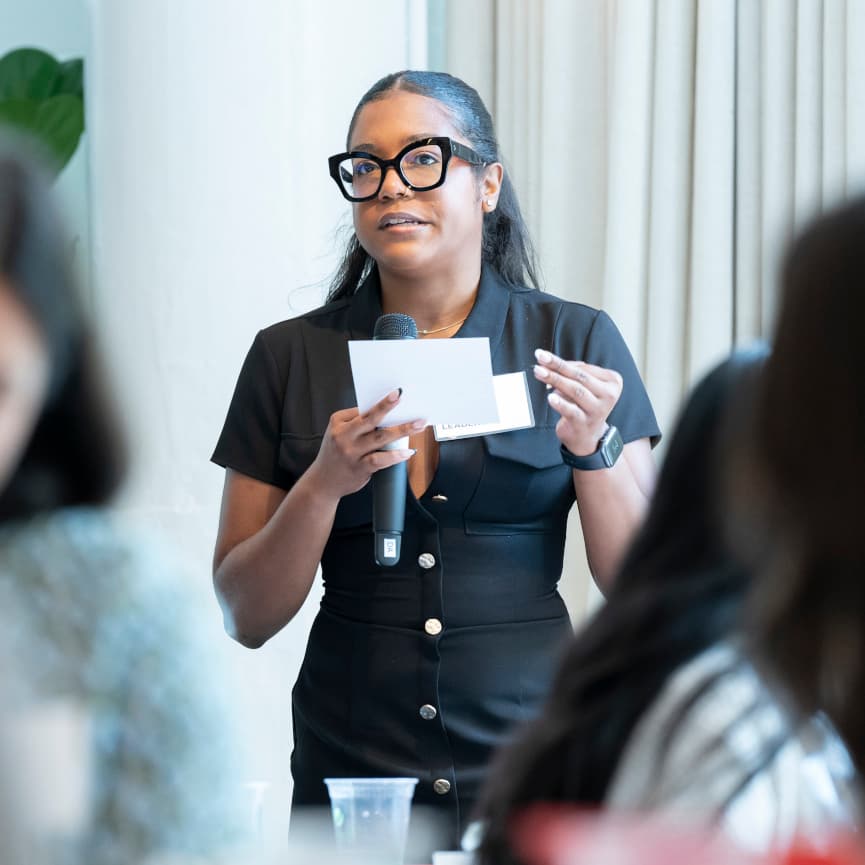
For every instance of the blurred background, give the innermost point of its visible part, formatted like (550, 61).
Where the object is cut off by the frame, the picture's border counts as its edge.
(663, 150)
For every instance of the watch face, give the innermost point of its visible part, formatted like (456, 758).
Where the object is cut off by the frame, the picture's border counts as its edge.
(611, 447)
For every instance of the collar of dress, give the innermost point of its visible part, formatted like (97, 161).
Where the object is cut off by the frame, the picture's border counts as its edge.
(487, 317)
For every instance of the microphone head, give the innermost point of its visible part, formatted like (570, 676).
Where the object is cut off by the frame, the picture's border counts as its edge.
(395, 325)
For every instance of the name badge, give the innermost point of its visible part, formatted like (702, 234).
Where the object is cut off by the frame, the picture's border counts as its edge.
(515, 410)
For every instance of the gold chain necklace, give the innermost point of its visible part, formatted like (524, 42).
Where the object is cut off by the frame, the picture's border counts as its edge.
(440, 329)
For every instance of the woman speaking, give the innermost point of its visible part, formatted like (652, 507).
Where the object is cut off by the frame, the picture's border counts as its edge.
(421, 669)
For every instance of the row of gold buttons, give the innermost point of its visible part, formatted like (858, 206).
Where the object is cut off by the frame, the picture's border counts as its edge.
(433, 627)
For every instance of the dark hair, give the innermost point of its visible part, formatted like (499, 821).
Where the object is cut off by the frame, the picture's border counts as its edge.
(506, 245)
(801, 482)
(678, 592)
(75, 454)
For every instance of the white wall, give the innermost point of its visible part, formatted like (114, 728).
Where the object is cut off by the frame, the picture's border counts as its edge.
(213, 216)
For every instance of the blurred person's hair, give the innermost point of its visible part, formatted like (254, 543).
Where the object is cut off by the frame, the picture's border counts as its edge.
(679, 591)
(75, 454)
(800, 483)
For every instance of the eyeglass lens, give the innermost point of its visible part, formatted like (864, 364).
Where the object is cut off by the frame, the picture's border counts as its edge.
(421, 167)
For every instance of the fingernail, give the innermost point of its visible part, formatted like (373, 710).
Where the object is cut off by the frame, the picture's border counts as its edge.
(553, 398)
(418, 424)
(541, 372)
(394, 395)
(543, 356)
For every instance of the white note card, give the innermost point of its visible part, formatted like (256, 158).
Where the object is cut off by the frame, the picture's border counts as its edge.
(515, 410)
(444, 381)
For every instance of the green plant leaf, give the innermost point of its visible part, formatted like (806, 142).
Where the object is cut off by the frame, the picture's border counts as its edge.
(56, 125)
(70, 78)
(43, 99)
(60, 122)
(20, 113)
(28, 73)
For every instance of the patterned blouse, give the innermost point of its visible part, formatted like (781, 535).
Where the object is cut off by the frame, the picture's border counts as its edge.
(115, 709)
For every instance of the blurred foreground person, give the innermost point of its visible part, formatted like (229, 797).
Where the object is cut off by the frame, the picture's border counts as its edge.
(656, 706)
(119, 739)
(801, 509)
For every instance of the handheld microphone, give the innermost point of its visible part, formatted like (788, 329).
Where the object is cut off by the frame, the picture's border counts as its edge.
(389, 485)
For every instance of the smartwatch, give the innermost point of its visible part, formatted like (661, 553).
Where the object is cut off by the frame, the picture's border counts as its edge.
(609, 450)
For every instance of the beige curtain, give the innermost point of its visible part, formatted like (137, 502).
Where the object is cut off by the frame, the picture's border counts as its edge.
(665, 150)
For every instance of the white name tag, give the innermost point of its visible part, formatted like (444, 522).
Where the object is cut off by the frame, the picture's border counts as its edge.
(514, 405)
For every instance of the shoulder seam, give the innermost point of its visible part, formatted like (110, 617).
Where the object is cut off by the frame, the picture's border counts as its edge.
(273, 364)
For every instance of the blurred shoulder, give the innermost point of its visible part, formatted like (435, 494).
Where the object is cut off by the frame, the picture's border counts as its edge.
(80, 542)
(63, 541)
(87, 582)
(718, 746)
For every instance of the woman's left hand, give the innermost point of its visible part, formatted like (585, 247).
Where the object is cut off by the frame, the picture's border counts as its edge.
(583, 394)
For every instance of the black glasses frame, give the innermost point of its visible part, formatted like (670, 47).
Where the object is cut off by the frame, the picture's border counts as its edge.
(448, 146)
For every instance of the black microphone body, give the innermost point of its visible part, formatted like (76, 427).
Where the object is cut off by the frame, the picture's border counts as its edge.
(389, 485)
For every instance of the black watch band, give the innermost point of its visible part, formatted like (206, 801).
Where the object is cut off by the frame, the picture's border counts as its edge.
(609, 450)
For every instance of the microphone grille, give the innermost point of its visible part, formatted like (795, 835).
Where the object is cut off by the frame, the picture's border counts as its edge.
(395, 325)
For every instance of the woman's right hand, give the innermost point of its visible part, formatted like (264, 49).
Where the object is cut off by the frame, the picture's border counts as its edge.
(351, 449)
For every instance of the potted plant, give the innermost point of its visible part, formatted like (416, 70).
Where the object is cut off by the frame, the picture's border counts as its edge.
(43, 99)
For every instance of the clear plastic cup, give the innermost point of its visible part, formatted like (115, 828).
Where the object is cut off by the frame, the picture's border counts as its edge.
(370, 817)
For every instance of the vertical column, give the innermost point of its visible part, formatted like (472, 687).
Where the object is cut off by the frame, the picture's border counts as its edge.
(214, 216)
